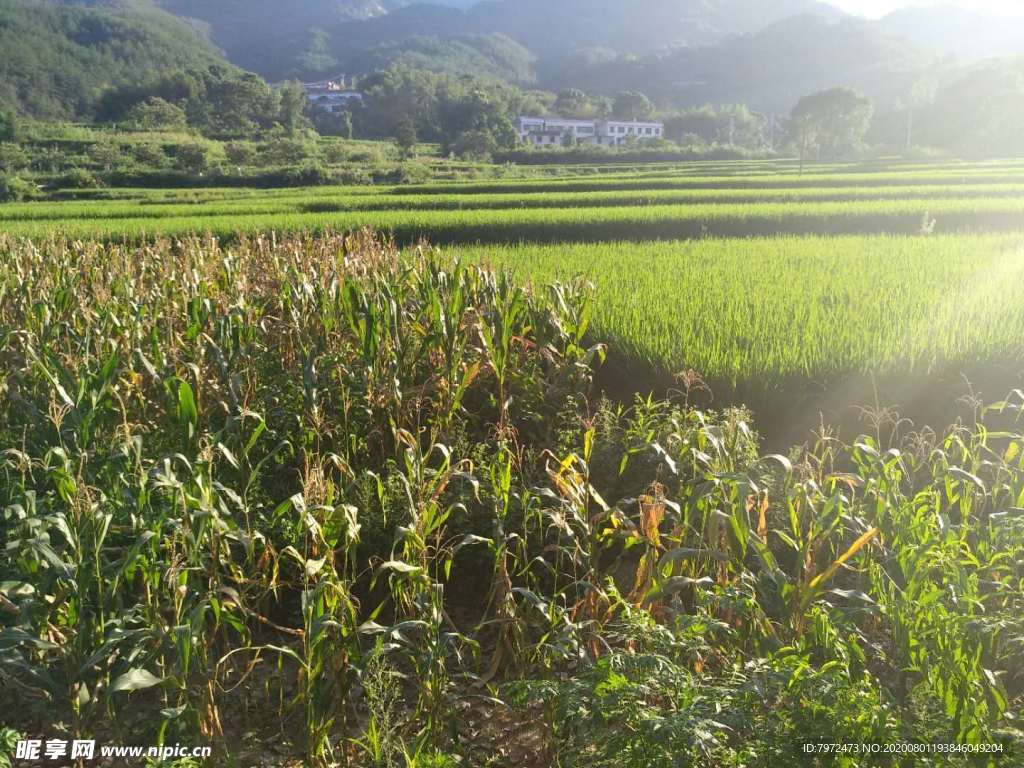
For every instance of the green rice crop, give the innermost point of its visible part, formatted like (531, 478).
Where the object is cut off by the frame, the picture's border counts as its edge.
(328, 200)
(812, 308)
(574, 223)
(675, 180)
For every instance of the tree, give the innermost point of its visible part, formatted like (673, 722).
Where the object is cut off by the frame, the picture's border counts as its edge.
(405, 136)
(13, 189)
(13, 158)
(919, 96)
(193, 158)
(293, 100)
(480, 111)
(157, 114)
(239, 152)
(8, 125)
(979, 113)
(317, 55)
(235, 105)
(832, 122)
(105, 154)
(632, 105)
(329, 123)
(734, 125)
(400, 93)
(603, 107)
(475, 145)
(570, 102)
(150, 155)
(285, 151)
(345, 125)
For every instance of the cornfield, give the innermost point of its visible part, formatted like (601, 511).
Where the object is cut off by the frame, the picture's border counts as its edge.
(315, 492)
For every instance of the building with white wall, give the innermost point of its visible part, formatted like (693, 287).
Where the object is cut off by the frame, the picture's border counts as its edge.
(332, 95)
(554, 131)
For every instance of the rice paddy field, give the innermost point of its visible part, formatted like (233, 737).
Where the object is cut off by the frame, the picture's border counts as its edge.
(755, 275)
(532, 482)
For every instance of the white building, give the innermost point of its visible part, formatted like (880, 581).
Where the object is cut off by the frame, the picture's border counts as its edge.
(552, 131)
(332, 95)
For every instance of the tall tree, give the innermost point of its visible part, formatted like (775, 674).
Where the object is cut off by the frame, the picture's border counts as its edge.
(8, 125)
(292, 97)
(570, 102)
(157, 114)
(831, 122)
(632, 105)
(405, 136)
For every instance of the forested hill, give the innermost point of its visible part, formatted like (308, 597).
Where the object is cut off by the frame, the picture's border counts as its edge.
(549, 28)
(961, 32)
(281, 38)
(57, 59)
(315, 35)
(768, 71)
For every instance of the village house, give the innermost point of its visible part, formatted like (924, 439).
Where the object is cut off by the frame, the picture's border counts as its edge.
(554, 131)
(332, 95)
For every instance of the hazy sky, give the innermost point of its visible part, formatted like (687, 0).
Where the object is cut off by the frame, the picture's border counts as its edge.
(881, 7)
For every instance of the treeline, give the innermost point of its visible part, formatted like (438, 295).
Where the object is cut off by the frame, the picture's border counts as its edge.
(38, 161)
(218, 101)
(979, 112)
(470, 117)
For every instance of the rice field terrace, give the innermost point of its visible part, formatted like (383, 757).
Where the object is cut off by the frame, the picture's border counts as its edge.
(613, 206)
(754, 275)
(523, 472)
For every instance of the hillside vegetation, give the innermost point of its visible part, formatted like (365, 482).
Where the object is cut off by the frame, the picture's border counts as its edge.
(334, 30)
(57, 60)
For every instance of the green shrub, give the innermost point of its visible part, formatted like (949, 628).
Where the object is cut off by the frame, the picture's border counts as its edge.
(308, 174)
(412, 172)
(9, 125)
(106, 155)
(240, 153)
(156, 114)
(13, 158)
(353, 177)
(285, 151)
(13, 189)
(475, 145)
(336, 152)
(367, 155)
(78, 178)
(150, 155)
(192, 158)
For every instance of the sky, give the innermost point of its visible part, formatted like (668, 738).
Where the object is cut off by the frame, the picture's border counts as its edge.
(881, 7)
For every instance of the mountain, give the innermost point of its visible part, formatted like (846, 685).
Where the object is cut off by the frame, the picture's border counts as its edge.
(769, 70)
(961, 32)
(57, 59)
(258, 34)
(494, 56)
(313, 36)
(551, 28)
